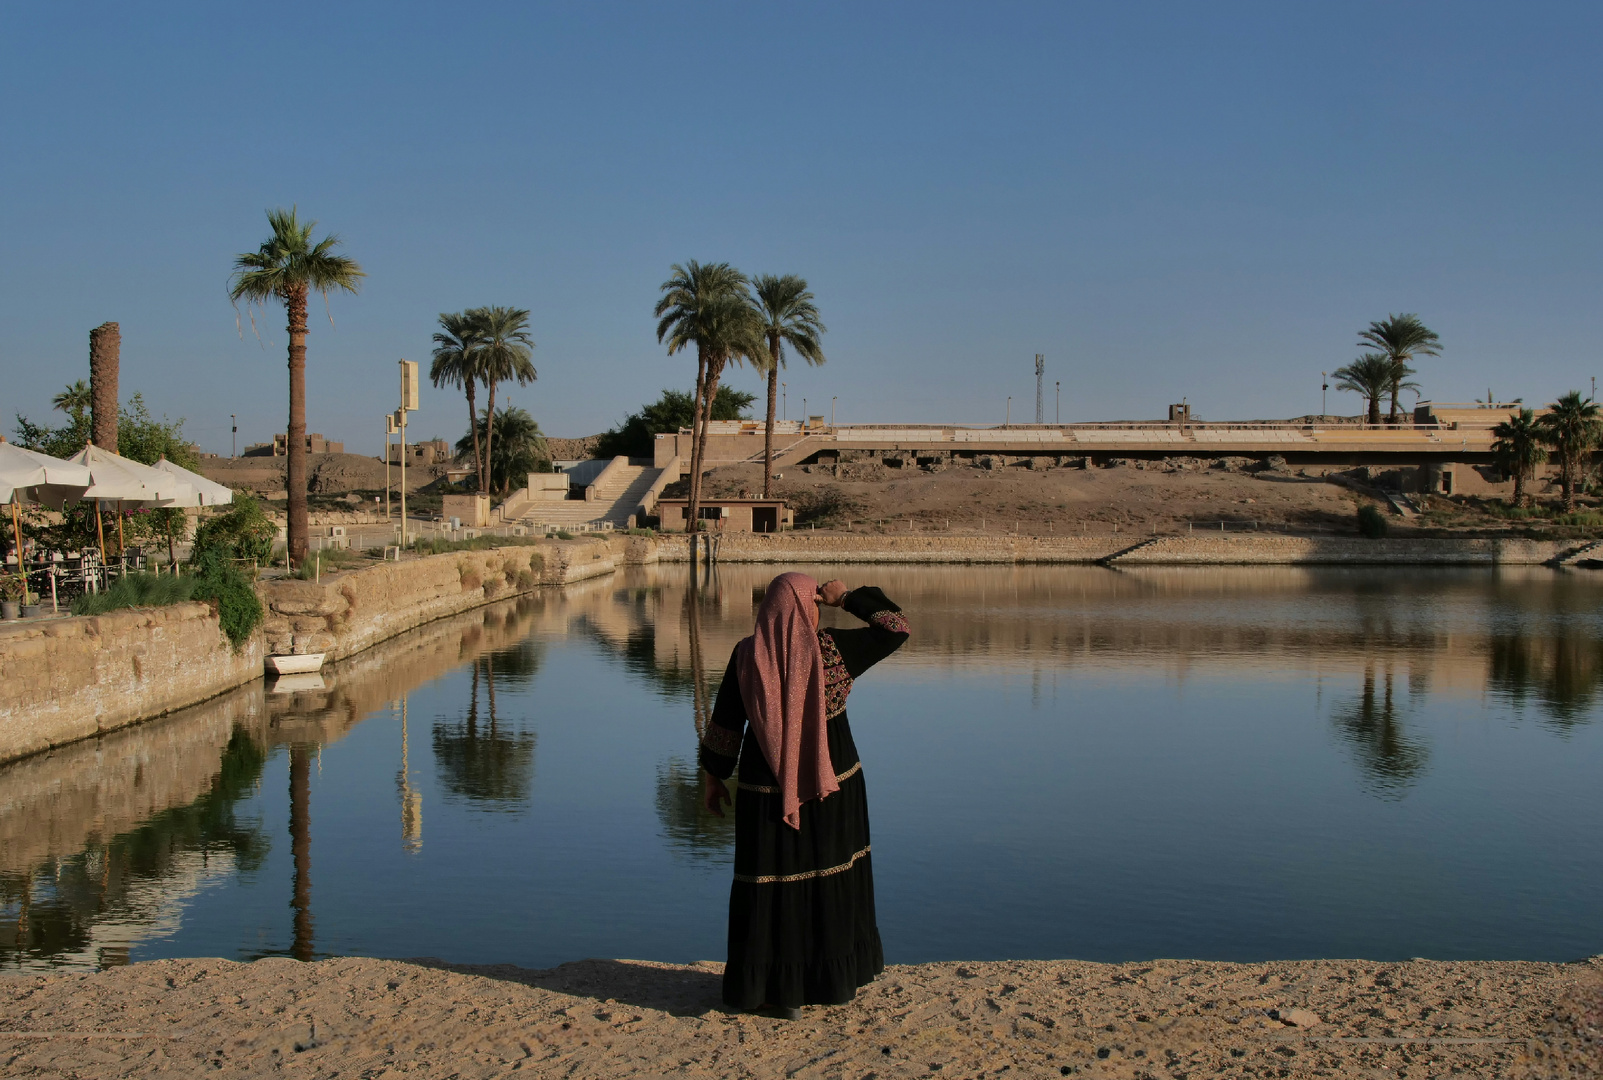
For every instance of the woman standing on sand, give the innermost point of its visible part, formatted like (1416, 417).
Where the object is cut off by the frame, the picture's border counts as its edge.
(801, 911)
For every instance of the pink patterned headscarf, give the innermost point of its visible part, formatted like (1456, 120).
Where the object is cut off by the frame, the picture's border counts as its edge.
(781, 671)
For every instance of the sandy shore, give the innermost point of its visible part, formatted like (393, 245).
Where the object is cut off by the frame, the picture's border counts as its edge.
(601, 1018)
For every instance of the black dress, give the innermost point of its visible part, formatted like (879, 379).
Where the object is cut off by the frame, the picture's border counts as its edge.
(801, 911)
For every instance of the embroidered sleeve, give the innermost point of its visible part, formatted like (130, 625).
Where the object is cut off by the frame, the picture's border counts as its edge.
(721, 741)
(894, 621)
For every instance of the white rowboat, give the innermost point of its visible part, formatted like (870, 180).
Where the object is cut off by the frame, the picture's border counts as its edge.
(292, 664)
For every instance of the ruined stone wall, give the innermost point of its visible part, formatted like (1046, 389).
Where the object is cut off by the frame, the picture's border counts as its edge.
(68, 679)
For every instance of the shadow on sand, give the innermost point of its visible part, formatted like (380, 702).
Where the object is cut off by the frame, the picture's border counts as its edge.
(680, 990)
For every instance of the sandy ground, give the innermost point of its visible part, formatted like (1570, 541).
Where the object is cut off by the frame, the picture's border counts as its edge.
(599, 1018)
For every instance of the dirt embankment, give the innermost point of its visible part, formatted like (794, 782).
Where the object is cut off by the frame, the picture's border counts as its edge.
(327, 474)
(1137, 496)
(600, 1018)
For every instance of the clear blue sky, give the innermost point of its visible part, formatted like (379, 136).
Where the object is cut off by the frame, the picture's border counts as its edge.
(1168, 200)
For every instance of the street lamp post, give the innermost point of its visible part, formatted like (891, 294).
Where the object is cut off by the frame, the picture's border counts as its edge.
(1057, 408)
(233, 421)
(1008, 420)
(804, 412)
(832, 414)
(1324, 387)
(784, 403)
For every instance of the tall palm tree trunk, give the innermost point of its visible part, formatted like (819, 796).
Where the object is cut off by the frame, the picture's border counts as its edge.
(768, 432)
(473, 426)
(105, 350)
(692, 503)
(1519, 487)
(714, 369)
(1567, 478)
(300, 842)
(489, 434)
(1374, 411)
(295, 305)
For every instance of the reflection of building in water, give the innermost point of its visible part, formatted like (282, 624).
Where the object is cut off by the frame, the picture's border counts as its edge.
(102, 841)
(411, 799)
(94, 904)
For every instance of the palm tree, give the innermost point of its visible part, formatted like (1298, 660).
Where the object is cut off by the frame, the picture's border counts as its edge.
(1400, 338)
(74, 400)
(1571, 428)
(1370, 376)
(286, 268)
(1519, 449)
(520, 447)
(456, 363)
(705, 304)
(504, 354)
(789, 316)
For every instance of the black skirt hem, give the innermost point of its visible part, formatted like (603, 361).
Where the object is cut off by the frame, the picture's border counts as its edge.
(831, 981)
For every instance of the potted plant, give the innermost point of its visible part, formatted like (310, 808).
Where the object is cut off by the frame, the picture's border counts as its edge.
(31, 608)
(13, 588)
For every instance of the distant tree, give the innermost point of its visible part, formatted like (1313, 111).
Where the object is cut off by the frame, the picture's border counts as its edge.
(1571, 428)
(506, 352)
(74, 400)
(1370, 376)
(456, 363)
(670, 413)
(1518, 449)
(705, 305)
(789, 317)
(1400, 339)
(287, 268)
(520, 449)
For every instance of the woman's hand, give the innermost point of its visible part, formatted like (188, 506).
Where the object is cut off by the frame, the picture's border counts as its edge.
(832, 593)
(713, 793)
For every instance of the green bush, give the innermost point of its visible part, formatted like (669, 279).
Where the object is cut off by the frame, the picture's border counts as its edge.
(219, 582)
(243, 532)
(1371, 522)
(563, 534)
(137, 590)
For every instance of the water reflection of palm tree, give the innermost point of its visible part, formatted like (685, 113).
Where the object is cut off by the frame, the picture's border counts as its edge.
(1561, 672)
(492, 768)
(685, 820)
(300, 839)
(411, 798)
(1372, 726)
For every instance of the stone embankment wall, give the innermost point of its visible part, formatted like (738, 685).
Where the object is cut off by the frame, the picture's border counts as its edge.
(804, 547)
(1339, 550)
(70, 679)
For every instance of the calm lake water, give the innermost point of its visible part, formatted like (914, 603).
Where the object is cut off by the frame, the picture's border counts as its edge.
(1064, 762)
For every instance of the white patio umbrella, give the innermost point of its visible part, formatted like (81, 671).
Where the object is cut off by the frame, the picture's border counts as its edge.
(20, 468)
(208, 492)
(114, 478)
(28, 471)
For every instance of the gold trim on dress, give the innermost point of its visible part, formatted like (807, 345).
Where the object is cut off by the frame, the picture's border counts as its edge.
(782, 879)
(765, 789)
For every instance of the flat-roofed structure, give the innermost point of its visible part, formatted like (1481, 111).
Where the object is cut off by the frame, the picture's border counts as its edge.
(727, 515)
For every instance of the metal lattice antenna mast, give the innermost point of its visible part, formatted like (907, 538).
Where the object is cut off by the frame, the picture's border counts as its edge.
(1040, 370)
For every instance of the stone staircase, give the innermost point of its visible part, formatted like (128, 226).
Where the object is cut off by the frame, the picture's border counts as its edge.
(617, 498)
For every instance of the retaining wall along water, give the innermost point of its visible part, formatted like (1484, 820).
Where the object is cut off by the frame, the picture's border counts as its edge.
(67, 679)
